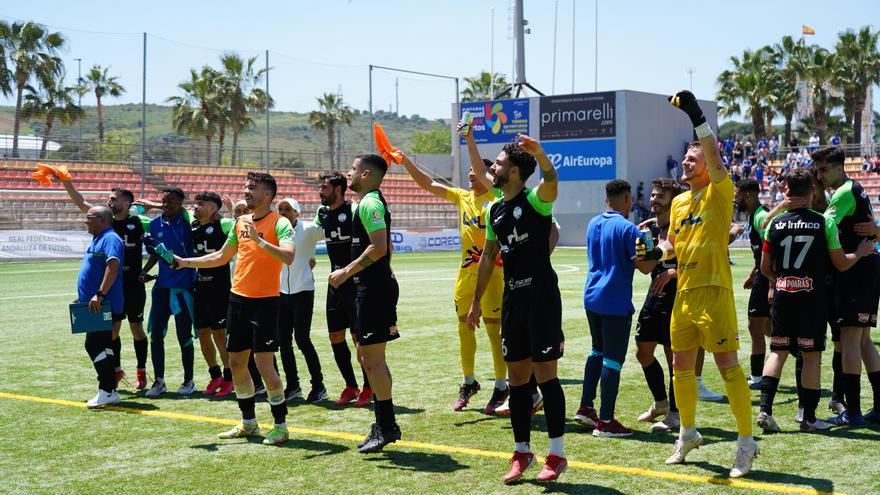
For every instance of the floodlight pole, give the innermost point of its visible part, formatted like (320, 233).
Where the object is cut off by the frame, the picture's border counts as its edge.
(267, 111)
(372, 119)
(79, 92)
(144, 122)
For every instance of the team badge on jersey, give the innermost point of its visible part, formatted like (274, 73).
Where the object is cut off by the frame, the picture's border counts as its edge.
(130, 226)
(517, 212)
(342, 217)
(209, 230)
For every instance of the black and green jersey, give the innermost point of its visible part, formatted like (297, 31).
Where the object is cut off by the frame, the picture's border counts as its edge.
(131, 231)
(800, 241)
(849, 205)
(337, 233)
(756, 234)
(206, 239)
(522, 228)
(371, 214)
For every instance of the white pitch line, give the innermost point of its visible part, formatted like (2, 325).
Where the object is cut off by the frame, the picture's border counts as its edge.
(68, 294)
(23, 272)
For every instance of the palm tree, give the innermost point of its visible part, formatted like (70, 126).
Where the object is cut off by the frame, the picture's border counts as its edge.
(480, 88)
(788, 57)
(99, 81)
(819, 70)
(858, 68)
(54, 103)
(196, 113)
(243, 97)
(29, 50)
(333, 112)
(749, 83)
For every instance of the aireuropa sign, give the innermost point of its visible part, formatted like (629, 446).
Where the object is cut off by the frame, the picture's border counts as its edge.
(591, 159)
(589, 115)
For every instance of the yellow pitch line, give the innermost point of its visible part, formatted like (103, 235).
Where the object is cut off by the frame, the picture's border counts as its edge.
(590, 466)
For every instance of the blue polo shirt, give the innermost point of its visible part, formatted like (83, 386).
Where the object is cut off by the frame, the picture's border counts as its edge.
(611, 241)
(176, 235)
(104, 247)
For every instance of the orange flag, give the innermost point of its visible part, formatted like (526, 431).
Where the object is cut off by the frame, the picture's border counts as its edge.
(59, 171)
(807, 30)
(42, 178)
(388, 152)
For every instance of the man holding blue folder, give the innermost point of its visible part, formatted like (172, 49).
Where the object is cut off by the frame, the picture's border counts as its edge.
(100, 282)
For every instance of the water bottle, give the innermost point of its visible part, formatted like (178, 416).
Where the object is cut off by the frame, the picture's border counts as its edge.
(466, 119)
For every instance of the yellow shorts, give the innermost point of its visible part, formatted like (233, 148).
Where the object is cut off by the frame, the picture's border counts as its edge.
(463, 296)
(704, 317)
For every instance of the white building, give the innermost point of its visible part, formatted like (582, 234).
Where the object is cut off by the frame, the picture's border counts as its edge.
(28, 146)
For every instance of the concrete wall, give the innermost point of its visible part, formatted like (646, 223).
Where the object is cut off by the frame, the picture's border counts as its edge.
(439, 165)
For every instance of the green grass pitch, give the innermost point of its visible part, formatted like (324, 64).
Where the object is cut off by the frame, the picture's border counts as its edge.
(53, 448)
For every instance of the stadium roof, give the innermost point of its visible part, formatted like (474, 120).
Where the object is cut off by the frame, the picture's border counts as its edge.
(27, 143)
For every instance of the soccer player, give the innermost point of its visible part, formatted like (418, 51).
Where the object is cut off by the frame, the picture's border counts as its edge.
(264, 241)
(518, 225)
(652, 327)
(296, 306)
(211, 291)
(704, 314)
(858, 289)
(796, 248)
(130, 228)
(747, 200)
(611, 242)
(100, 279)
(376, 292)
(472, 205)
(335, 216)
(172, 292)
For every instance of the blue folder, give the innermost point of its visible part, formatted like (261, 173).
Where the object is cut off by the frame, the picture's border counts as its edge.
(82, 320)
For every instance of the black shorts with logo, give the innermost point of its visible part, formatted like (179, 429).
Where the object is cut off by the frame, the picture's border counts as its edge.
(375, 305)
(135, 297)
(252, 324)
(759, 307)
(831, 303)
(531, 325)
(796, 325)
(653, 326)
(210, 306)
(858, 291)
(340, 307)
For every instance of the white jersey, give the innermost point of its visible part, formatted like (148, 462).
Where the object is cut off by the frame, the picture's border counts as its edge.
(297, 276)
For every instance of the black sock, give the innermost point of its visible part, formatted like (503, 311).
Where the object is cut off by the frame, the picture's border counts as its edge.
(214, 371)
(837, 386)
(385, 414)
(554, 407)
(187, 356)
(533, 384)
(366, 379)
(874, 378)
(809, 401)
(116, 345)
(227, 374)
(140, 352)
(672, 405)
(279, 412)
(342, 355)
(757, 362)
(520, 412)
(769, 385)
(247, 409)
(798, 369)
(853, 386)
(654, 377)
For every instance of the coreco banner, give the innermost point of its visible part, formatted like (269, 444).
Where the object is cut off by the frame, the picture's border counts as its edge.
(498, 121)
(589, 115)
(418, 240)
(594, 159)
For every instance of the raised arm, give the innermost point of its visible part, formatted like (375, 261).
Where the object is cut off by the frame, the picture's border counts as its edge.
(77, 198)
(424, 180)
(548, 188)
(477, 165)
(687, 102)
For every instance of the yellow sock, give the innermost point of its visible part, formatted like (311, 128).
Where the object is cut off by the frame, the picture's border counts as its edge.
(739, 397)
(467, 348)
(493, 330)
(684, 383)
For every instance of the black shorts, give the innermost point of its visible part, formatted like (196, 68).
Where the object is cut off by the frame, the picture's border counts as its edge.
(340, 307)
(135, 295)
(796, 325)
(118, 317)
(832, 308)
(858, 291)
(252, 324)
(759, 307)
(375, 305)
(653, 326)
(210, 306)
(531, 326)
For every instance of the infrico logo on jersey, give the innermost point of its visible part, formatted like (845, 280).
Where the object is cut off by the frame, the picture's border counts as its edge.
(337, 234)
(593, 159)
(794, 284)
(469, 221)
(691, 219)
(516, 238)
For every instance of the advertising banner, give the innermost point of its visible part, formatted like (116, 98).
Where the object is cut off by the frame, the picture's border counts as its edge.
(418, 240)
(497, 121)
(593, 159)
(590, 115)
(35, 244)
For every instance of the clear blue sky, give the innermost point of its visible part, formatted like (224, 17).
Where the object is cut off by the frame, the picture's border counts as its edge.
(319, 46)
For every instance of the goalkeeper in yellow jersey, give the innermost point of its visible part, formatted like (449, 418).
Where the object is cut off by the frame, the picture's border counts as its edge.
(704, 314)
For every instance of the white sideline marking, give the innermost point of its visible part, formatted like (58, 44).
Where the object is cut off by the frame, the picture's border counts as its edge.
(68, 294)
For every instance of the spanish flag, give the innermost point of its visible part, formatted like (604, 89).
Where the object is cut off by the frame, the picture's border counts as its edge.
(807, 30)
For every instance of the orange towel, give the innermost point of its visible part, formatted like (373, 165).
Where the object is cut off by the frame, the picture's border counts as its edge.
(388, 152)
(59, 171)
(42, 178)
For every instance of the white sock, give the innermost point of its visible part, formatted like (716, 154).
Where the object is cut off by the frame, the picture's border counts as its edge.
(556, 446)
(283, 426)
(745, 441)
(501, 383)
(536, 397)
(687, 432)
(522, 447)
(699, 380)
(469, 380)
(160, 381)
(249, 422)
